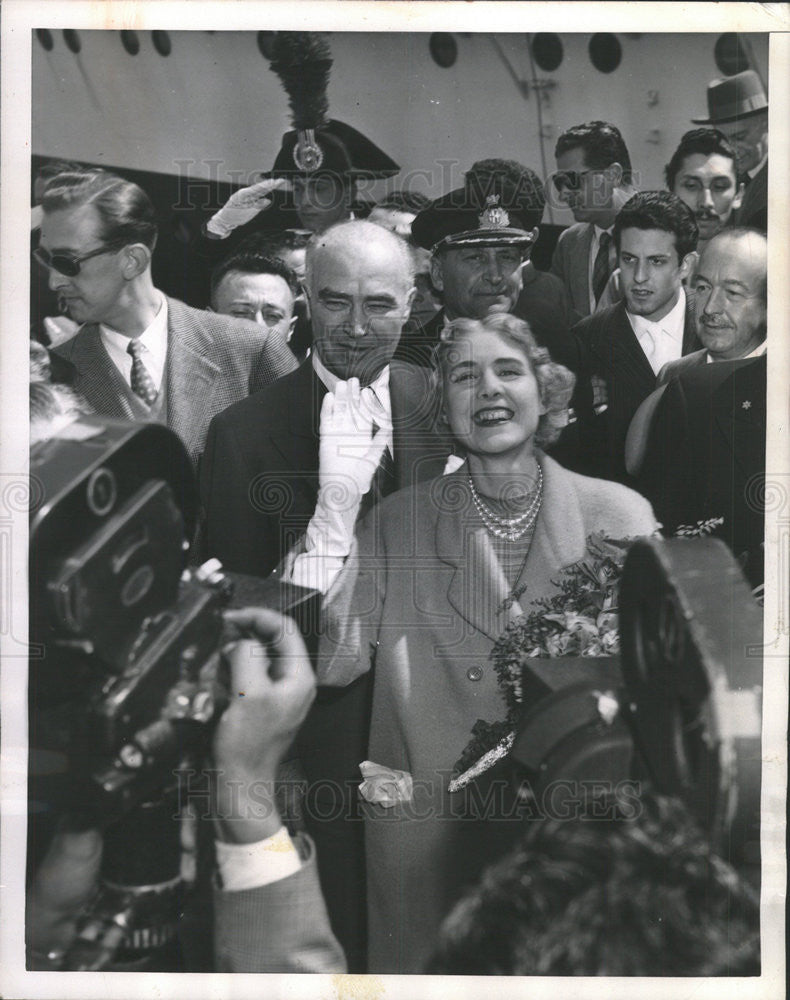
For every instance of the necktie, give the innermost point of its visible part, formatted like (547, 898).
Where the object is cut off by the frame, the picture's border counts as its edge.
(601, 268)
(142, 383)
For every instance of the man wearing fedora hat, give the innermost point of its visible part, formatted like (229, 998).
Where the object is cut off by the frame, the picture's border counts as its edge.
(480, 237)
(738, 107)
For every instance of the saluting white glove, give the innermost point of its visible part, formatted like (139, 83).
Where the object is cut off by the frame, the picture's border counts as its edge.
(348, 457)
(243, 205)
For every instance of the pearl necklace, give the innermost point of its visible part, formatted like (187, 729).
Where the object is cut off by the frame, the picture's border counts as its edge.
(510, 528)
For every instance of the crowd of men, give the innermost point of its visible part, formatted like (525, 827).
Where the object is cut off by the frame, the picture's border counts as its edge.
(655, 300)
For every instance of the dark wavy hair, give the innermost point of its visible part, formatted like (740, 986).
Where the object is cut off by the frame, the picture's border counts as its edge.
(126, 213)
(621, 895)
(251, 258)
(705, 141)
(659, 210)
(603, 144)
(555, 383)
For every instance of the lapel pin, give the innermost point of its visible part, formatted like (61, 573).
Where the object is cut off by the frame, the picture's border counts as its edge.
(746, 404)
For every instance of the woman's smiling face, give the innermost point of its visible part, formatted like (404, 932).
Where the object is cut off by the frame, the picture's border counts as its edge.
(491, 396)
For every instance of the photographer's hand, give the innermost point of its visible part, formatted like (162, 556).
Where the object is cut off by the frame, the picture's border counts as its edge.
(271, 689)
(64, 882)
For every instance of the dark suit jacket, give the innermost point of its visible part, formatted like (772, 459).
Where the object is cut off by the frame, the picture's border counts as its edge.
(754, 210)
(607, 347)
(212, 361)
(571, 264)
(259, 474)
(705, 455)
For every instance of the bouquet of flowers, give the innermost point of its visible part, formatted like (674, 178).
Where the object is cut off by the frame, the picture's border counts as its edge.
(581, 619)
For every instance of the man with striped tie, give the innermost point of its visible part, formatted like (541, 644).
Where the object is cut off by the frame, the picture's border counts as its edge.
(140, 355)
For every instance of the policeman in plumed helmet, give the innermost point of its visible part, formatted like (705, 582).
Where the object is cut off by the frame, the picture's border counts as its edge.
(320, 159)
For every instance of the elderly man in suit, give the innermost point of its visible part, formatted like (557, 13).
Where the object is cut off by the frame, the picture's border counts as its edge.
(738, 107)
(705, 445)
(593, 178)
(140, 355)
(730, 309)
(274, 478)
(625, 346)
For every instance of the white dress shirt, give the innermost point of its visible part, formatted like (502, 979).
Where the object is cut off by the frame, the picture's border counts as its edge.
(153, 341)
(661, 340)
(374, 399)
(248, 866)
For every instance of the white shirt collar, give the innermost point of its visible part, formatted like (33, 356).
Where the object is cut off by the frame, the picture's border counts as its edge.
(661, 340)
(672, 324)
(153, 341)
(756, 170)
(756, 353)
(330, 380)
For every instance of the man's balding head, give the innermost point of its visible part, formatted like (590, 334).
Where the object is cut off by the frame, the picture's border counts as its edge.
(730, 289)
(359, 286)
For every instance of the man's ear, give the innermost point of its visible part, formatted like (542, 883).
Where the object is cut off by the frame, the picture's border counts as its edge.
(436, 273)
(689, 264)
(291, 328)
(615, 174)
(136, 260)
(410, 298)
(737, 201)
(307, 306)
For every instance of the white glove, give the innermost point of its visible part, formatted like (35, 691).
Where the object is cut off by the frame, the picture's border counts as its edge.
(243, 205)
(348, 458)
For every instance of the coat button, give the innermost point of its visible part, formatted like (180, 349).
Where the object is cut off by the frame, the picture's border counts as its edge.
(474, 673)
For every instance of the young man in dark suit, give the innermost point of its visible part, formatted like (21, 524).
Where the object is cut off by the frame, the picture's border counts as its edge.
(621, 349)
(140, 355)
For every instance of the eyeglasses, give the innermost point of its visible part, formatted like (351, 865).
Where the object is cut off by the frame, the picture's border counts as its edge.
(571, 180)
(67, 265)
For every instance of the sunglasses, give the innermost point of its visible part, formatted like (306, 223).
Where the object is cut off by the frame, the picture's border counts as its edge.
(571, 180)
(67, 265)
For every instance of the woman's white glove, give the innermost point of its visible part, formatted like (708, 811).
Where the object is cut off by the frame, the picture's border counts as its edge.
(242, 206)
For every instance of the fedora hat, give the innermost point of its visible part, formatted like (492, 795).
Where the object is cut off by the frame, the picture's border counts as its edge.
(734, 97)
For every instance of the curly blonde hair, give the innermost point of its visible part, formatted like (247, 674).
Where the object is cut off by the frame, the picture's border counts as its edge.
(555, 382)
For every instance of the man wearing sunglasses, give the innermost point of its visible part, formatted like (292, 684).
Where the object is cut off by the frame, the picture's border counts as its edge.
(140, 355)
(593, 179)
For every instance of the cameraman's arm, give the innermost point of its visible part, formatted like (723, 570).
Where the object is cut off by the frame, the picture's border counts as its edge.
(270, 915)
(63, 884)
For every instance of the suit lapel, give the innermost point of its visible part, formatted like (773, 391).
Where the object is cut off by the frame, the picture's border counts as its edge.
(191, 375)
(97, 378)
(295, 435)
(478, 589)
(631, 357)
(581, 267)
(739, 414)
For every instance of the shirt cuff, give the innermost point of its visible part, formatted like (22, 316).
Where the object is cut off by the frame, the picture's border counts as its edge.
(249, 866)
